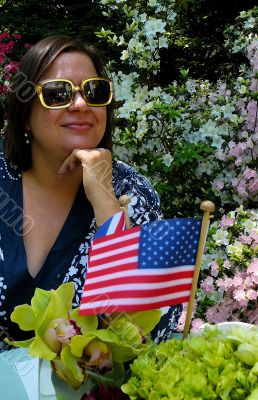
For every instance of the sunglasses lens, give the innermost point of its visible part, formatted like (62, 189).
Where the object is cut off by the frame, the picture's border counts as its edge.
(97, 92)
(57, 93)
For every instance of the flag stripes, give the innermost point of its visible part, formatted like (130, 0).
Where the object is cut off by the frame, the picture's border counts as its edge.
(140, 268)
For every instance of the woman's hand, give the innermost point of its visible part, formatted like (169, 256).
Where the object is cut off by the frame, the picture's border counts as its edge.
(97, 180)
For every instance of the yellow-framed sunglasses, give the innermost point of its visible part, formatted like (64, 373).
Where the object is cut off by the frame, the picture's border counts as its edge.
(59, 93)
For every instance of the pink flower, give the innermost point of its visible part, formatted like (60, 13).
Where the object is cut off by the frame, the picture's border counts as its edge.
(253, 267)
(251, 114)
(226, 221)
(217, 314)
(254, 85)
(253, 186)
(238, 279)
(207, 285)
(235, 182)
(214, 269)
(4, 35)
(227, 264)
(254, 236)
(3, 89)
(219, 184)
(12, 67)
(196, 323)
(240, 297)
(241, 188)
(252, 294)
(17, 36)
(245, 239)
(224, 284)
(249, 173)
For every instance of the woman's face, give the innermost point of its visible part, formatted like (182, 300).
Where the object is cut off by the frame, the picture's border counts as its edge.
(76, 127)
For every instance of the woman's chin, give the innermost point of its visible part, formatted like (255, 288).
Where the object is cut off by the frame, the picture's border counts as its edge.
(79, 142)
(69, 147)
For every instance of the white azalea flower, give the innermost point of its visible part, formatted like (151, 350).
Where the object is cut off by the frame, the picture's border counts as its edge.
(167, 159)
(221, 237)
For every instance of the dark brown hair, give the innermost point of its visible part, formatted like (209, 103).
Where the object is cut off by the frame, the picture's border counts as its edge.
(22, 92)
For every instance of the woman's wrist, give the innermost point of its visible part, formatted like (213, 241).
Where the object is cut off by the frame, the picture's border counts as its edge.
(104, 208)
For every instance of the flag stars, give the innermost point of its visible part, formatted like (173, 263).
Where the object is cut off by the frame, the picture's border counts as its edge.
(169, 245)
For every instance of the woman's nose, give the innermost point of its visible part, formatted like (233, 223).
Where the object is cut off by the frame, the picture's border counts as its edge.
(78, 102)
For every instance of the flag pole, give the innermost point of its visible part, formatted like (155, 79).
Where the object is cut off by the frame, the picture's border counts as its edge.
(124, 200)
(207, 207)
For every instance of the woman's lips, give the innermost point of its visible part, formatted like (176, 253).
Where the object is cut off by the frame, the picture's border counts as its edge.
(78, 126)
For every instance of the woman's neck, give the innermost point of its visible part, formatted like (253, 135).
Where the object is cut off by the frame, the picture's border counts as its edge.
(45, 175)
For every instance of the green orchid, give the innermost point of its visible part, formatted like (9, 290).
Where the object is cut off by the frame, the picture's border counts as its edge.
(50, 317)
(82, 347)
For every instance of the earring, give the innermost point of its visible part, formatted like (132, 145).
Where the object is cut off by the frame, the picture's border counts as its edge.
(27, 135)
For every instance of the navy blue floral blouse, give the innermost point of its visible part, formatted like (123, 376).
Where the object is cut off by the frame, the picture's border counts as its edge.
(67, 259)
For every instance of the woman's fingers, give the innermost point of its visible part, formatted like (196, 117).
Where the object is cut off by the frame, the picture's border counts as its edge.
(97, 168)
(70, 163)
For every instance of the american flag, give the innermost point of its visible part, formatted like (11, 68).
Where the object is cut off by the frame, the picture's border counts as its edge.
(140, 268)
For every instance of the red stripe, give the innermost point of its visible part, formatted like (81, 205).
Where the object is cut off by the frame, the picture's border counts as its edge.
(134, 307)
(108, 271)
(111, 258)
(135, 278)
(114, 246)
(142, 293)
(121, 224)
(117, 235)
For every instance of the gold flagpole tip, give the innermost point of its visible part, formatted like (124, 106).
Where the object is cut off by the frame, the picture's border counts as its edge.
(207, 206)
(124, 199)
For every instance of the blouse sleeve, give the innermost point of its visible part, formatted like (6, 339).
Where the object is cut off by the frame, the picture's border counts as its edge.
(145, 203)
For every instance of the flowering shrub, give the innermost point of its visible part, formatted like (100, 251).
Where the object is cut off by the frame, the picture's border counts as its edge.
(229, 277)
(11, 49)
(195, 139)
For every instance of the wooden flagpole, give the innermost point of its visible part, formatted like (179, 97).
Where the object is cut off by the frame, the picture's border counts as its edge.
(207, 207)
(124, 200)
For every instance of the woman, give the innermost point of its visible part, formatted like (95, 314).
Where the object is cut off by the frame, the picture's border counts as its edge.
(58, 179)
